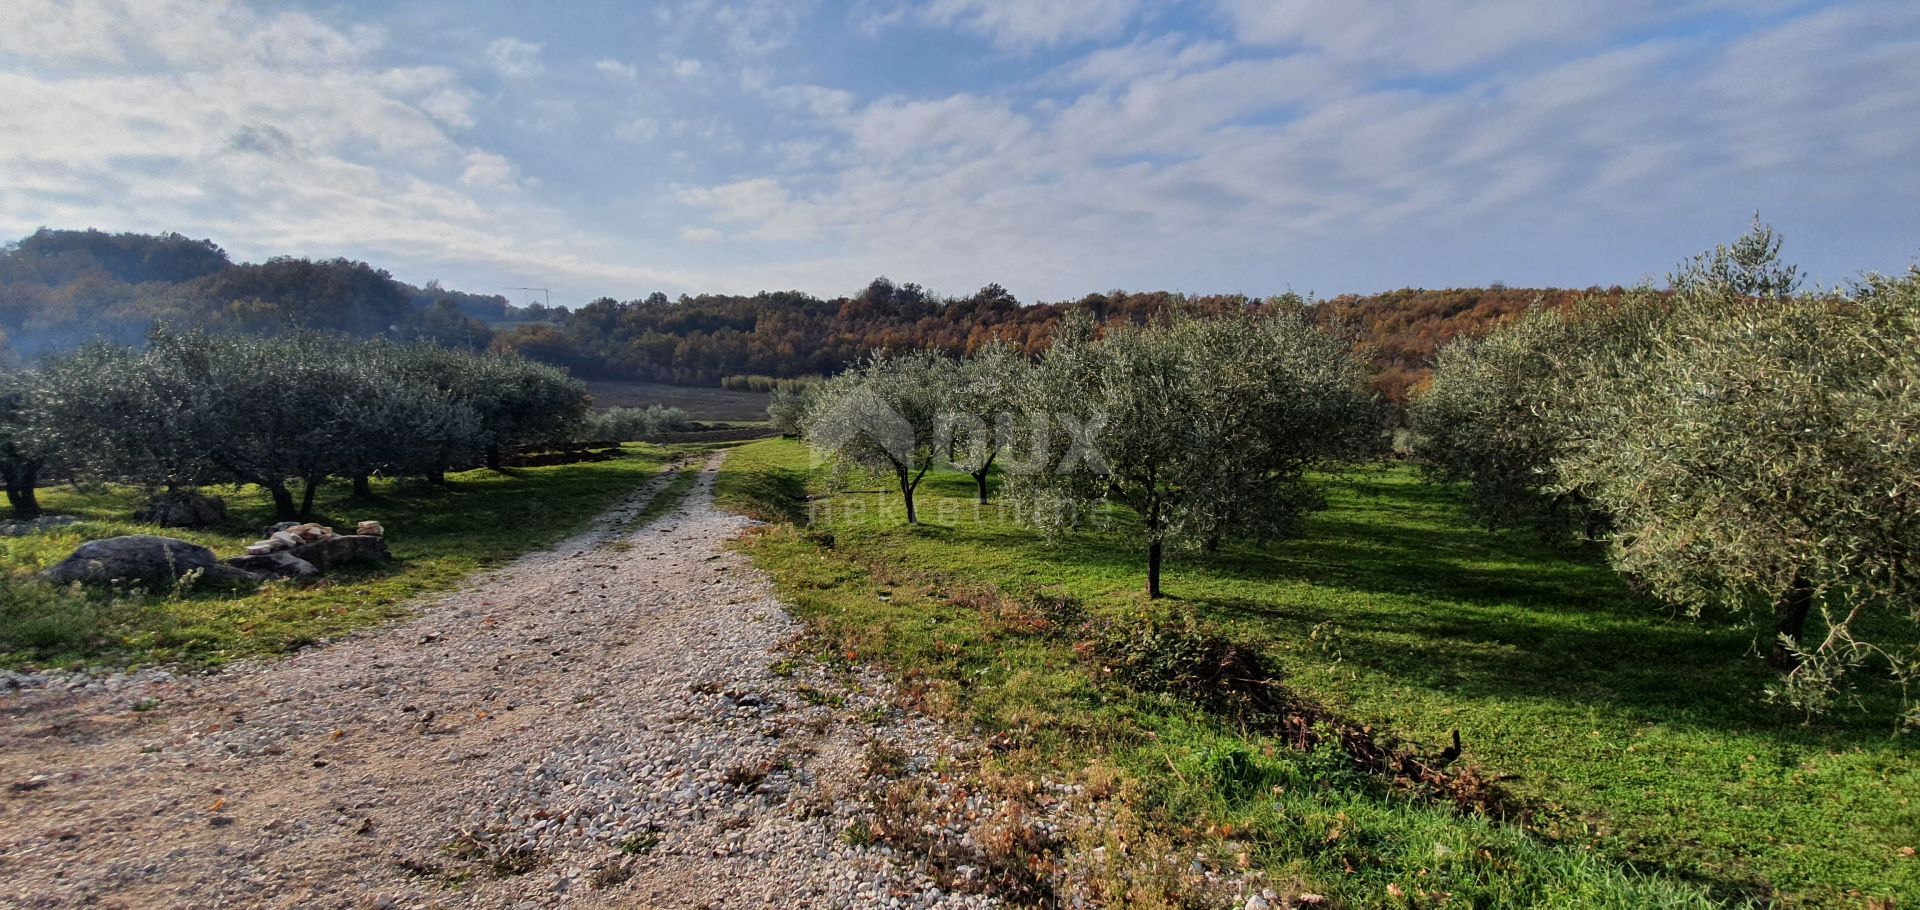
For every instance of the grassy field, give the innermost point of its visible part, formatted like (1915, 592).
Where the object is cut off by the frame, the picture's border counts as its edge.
(438, 536)
(729, 405)
(1656, 773)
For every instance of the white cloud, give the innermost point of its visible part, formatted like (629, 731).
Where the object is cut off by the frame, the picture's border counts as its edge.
(514, 58)
(1235, 168)
(700, 234)
(638, 129)
(551, 115)
(755, 28)
(486, 170)
(614, 69)
(1023, 25)
(273, 134)
(1448, 35)
(177, 33)
(891, 128)
(686, 69)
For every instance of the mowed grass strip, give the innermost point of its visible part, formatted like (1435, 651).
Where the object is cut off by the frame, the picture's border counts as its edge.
(1659, 774)
(438, 535)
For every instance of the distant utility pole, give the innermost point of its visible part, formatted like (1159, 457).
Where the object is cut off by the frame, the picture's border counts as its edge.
(541, 290)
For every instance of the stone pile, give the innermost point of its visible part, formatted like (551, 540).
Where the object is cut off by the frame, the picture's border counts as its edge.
(296, 550)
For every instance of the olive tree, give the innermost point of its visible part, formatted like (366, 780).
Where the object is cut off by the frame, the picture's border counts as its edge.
(21, 459)
(885, 415)
(1204, 428)
(518, 402)
(787, 409)
(1761, 454)
(979, 410)
(1501, 410)
(390, 422)
(111, 413)
(616, 425)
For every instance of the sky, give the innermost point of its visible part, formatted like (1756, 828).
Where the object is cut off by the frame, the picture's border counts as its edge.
(1057, 147)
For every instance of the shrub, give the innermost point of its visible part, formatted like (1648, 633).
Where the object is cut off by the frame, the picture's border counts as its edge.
(617, 425)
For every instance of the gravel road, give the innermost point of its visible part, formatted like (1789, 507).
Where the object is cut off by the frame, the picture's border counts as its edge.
(610, 723)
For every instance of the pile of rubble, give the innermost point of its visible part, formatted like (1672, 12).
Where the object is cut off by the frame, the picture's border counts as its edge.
(295, 550)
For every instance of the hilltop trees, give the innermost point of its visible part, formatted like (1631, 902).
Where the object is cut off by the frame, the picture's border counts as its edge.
(1203, 428)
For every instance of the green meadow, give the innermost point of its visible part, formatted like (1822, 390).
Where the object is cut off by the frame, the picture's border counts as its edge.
(1651, 768)
(439, 536)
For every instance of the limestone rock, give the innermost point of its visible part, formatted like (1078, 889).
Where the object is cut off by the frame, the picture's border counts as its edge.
(137, 559)
(370, 529)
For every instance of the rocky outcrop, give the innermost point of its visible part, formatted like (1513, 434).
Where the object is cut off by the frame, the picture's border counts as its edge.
(330, 553)
(138, 559)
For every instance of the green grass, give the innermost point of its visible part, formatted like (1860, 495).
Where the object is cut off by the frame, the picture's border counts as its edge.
(1659, 774)
(439, 536)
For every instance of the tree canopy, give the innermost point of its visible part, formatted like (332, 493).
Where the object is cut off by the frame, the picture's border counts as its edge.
(1203, 428)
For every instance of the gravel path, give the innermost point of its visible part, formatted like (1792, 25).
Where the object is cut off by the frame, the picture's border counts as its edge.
(611, 723)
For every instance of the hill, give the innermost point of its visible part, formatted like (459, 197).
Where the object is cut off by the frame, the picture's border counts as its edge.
(61, 288)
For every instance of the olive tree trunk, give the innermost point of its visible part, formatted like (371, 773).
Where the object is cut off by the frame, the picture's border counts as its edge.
(1790, 620)
(306, 495)
(362, 487)
(1153, 569)
(283, 505)
(906, 494)
(20, 495)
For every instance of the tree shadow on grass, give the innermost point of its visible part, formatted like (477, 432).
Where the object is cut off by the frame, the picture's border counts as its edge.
(1433, 602)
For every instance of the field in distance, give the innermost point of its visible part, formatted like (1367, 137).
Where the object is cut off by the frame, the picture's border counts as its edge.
(732, 405)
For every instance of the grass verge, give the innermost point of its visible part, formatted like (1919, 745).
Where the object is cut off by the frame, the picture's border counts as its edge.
(1654, 772)
(439, 536)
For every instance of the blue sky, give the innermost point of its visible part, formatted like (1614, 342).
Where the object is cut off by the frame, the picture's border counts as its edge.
(1256, 146)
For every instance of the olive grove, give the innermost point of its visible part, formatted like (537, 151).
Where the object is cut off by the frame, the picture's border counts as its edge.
(194, 409)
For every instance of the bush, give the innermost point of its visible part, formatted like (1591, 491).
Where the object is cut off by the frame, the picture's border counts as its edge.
(616, 425)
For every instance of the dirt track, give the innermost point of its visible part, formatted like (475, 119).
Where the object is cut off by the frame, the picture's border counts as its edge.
(597, 725)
